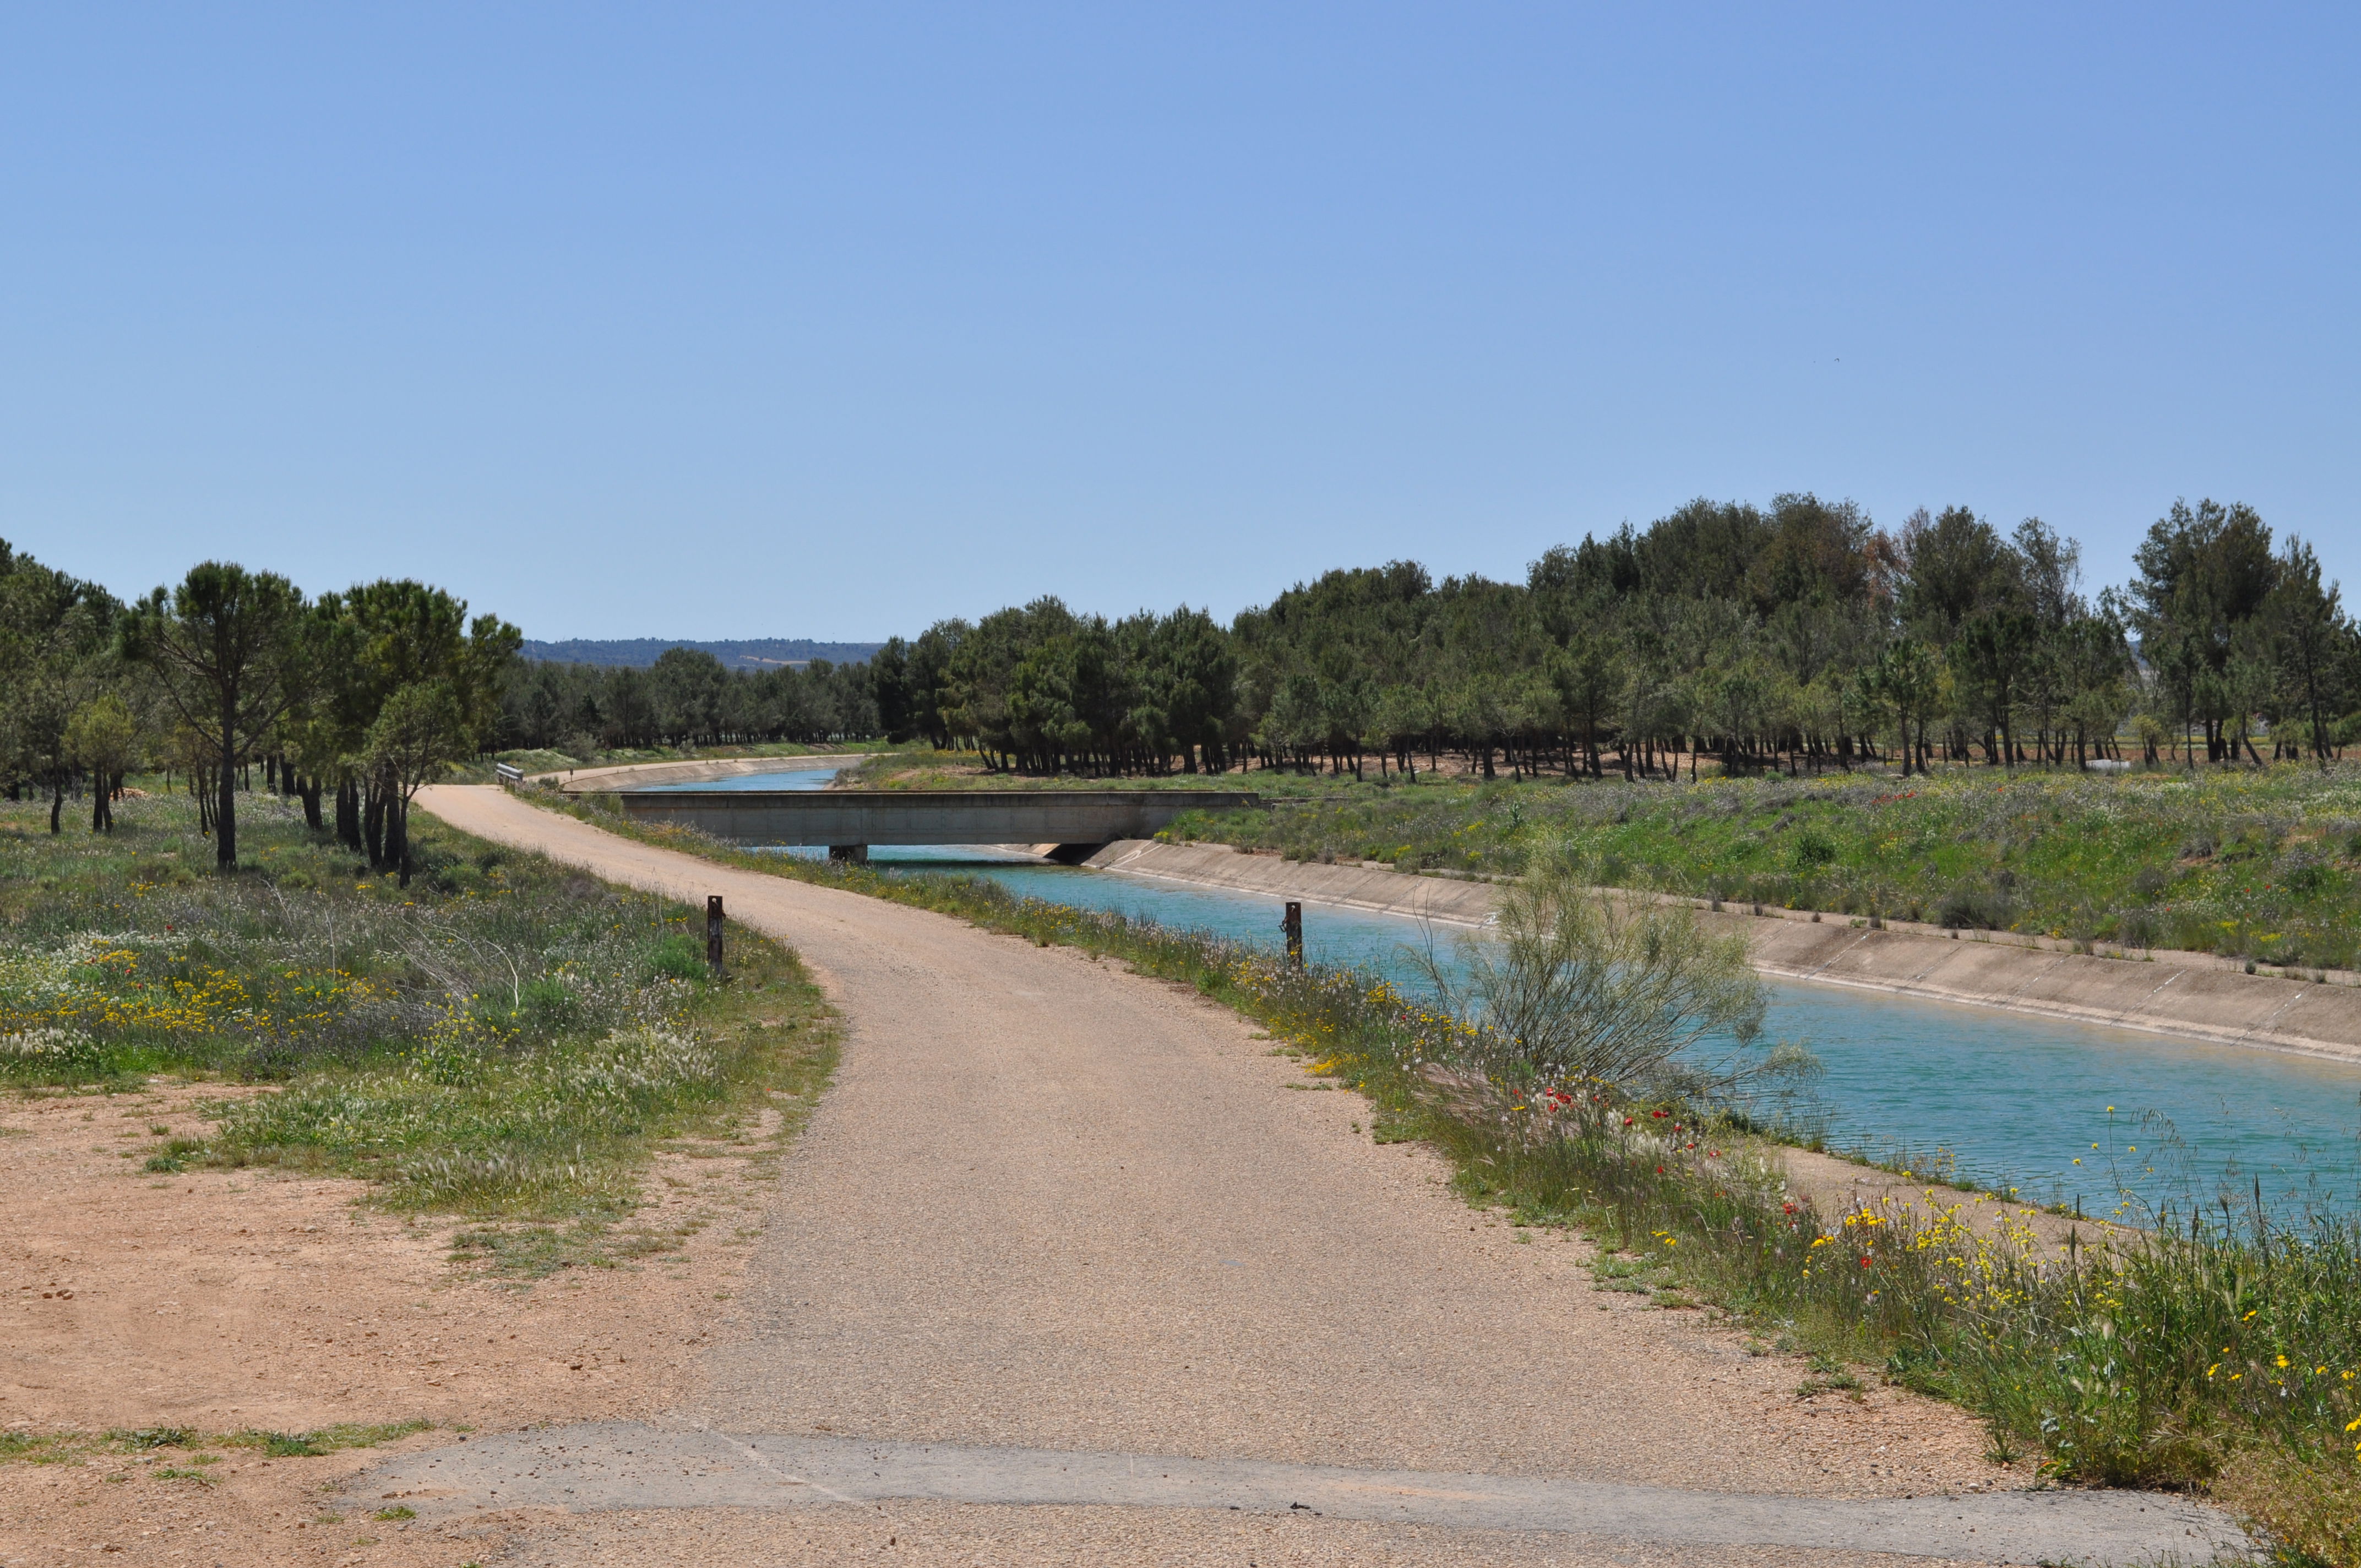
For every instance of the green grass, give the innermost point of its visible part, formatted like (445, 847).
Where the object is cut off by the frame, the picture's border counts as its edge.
(152, 1443)
(915, 767)
(2218, 1354)
(322, 1441)
(2259, 863)
(506, 1039)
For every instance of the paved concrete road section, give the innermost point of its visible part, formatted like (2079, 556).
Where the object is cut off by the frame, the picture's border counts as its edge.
(627, 1467)
(1048, 1205)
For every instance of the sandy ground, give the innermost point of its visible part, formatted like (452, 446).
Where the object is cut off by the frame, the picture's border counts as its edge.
(223, 1301)
(1049, 1203)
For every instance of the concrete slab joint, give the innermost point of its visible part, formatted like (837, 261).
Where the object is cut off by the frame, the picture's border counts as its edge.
(605, 1467)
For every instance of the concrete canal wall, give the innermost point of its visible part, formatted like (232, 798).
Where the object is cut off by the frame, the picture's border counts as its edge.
(2193, 995)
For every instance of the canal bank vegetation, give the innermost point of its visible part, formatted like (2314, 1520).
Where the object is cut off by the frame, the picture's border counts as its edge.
(2215, 1351)
(2256, 863)
(2262, 865)
(505, 1040)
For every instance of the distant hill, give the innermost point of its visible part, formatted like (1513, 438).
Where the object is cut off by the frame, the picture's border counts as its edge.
(757, 653)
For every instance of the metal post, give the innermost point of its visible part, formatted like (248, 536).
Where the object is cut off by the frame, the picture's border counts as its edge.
(1293, 924)
(713, 934)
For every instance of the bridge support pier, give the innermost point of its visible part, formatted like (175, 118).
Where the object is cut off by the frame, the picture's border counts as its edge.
(851, 854)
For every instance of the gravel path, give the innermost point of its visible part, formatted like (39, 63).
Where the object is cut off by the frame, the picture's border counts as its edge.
(1048, 1205)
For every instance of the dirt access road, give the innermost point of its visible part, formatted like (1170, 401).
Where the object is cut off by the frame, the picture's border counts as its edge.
(1056, 1226)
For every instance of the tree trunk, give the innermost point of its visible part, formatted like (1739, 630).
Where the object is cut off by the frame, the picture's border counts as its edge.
(397, 833)
(225, 815)
(373, 826)
(57, 796)
(348, 814)
(310, 790)
(2319, 725)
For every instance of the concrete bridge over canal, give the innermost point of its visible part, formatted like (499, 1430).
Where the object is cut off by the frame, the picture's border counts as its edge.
(1075, 822)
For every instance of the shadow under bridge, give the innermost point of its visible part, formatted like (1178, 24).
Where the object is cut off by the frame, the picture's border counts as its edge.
(1075, 822)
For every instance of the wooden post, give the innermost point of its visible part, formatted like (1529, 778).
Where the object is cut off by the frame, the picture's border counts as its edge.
(713, 934)
(1291, 923)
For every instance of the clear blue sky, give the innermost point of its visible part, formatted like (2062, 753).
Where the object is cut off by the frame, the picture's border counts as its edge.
(694, 322)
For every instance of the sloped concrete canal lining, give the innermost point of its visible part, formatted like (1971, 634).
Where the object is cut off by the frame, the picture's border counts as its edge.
(623, 1465)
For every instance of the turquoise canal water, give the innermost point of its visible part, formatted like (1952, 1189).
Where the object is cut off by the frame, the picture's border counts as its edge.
(2005, 1097)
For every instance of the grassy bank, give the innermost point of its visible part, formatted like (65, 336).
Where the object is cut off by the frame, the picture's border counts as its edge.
(2217, 1354)
(915, 767)
(2254, 863)
(506, 1039)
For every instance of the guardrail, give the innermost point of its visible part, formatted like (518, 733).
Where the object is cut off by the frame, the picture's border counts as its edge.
(511, 776)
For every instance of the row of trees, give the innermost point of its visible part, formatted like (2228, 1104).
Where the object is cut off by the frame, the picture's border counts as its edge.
(368, 693)
(1796, 635)
(687, 698)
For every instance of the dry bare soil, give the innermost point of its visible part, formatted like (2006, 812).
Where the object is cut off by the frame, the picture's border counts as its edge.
(226, 1302)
